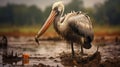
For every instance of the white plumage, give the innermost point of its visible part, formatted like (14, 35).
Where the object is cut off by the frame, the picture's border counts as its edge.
(75, 27)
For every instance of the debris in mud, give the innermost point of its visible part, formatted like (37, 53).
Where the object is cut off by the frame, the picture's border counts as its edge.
(40, 58)
(117, 40)
(51, 58)
(3, 42)
(86, 61)
(43, 65)
(111, 62)
(10, 58)
(56, 60)
(89, 60)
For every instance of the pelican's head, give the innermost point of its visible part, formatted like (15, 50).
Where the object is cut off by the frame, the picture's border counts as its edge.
(57, 10)
(58, 7)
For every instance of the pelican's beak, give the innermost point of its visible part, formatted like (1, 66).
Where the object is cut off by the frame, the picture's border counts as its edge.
(47, 23)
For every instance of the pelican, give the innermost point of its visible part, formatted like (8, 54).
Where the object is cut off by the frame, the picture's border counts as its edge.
(74, 27)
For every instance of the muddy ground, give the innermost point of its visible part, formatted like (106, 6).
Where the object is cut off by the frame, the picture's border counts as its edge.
(57, 53)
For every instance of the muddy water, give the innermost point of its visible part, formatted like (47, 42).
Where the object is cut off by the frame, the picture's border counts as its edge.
(48, 52)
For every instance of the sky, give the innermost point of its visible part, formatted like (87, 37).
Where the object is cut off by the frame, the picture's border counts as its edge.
(44, 3)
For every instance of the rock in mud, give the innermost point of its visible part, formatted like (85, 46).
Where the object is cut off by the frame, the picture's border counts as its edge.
(51, 58)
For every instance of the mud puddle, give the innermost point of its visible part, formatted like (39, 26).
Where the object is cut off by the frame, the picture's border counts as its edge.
(58, 54)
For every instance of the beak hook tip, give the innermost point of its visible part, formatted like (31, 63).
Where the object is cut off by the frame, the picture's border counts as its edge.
(36, 40)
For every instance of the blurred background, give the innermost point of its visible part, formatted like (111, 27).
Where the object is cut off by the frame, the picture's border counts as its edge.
(20, 21)
(25, 17)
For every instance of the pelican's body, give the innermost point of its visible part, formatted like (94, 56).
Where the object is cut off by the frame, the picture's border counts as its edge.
(75, 27)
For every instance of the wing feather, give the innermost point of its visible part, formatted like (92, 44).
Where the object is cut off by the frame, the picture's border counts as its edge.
(81, 25)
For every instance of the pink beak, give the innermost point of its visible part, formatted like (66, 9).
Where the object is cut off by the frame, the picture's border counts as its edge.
(48, 22)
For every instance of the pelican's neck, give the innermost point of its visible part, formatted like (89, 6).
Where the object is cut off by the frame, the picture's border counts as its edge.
(58, 23)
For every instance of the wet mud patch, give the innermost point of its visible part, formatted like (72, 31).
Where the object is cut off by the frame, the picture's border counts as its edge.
(111, 62)
(58, 53)
(91, 60)
(80, 61)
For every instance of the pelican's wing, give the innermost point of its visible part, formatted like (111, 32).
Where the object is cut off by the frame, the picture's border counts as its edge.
(80, 24)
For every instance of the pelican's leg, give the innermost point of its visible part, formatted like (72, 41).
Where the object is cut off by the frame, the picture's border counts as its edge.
(82, 50)
(72, 49)
(82, 40)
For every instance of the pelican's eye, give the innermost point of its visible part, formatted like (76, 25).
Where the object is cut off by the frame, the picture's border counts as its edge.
(56, 8)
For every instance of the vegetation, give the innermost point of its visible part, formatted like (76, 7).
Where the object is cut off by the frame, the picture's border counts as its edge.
(13, 14)
(108, 13)
(23, 18)
(20, 15)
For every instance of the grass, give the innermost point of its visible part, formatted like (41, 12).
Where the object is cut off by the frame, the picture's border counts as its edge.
(19, 29)
(34, 29)
(24, 30)
(108, 29)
